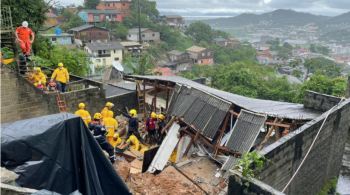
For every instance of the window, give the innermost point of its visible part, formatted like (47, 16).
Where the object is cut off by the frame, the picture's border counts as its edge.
(54, 39)
(143, 35)
(114, 51)
(129, 35)
(203, 54)
(99, 52)
(123, 4)
(153, 34)
(116, 59)
(98, 60)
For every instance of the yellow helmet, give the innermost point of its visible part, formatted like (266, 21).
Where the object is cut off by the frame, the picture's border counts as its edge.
(161, 116)
(109, 104)
(116, 135)
(37, 69)
(81, 105)
(97, 115)
(133, 113)
(110, 113)
(60, 64)
(153, 115)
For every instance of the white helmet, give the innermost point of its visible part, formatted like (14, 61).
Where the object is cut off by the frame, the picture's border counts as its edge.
(25, 24)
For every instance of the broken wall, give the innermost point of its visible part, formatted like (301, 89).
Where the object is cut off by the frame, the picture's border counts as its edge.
(319, 101)
(323, 162)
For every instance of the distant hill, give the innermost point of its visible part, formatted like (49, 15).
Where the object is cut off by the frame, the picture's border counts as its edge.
(277, 18)
(340, 19)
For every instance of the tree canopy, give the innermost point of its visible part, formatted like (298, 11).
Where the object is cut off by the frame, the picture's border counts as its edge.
(91, 4)
(323, 66)
(32, 11)
(200, 32)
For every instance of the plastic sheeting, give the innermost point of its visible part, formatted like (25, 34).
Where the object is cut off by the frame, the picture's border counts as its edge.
(58, 153)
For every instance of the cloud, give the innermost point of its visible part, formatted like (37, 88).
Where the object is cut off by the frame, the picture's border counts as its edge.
(324, 7)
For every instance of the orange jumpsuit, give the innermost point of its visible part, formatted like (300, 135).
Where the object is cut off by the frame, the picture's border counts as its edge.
(24, 34)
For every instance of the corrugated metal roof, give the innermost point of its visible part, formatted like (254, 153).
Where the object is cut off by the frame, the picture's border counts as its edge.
(269, 107)
(230, 163)
(110, 45)
(245, 131)
(114, 90)
(199, 109)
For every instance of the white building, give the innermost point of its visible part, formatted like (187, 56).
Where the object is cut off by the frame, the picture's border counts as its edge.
(103, 54)
(147, 35)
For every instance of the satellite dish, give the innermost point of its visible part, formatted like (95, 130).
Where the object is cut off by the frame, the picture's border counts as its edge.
(117, 65)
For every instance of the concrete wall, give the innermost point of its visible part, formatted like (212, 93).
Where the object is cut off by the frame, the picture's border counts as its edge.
(324, 160)
(240, 185)
(318, 101)
(19, 99)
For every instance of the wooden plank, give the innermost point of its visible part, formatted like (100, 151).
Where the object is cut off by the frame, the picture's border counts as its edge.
(223, 128)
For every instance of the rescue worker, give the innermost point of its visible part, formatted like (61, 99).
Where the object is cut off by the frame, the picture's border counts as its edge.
(133, 125)
(61, 76)
(161, 125)
(38, 77)
(84, 114)
(150, 128)
(25, 37)
(99, 132)
(108, 107)
(111, 125)
(117, 140)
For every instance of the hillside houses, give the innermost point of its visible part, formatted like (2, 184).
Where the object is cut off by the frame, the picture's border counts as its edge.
(104, 53)
(175, 21)
(147, 35)
(200, 55)
(92, 16)
(121, 6)
(89, 33)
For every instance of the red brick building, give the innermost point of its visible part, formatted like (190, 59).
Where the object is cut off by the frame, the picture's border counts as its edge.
(121, 6)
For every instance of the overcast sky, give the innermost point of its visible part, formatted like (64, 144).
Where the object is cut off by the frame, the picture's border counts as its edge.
(234, 7)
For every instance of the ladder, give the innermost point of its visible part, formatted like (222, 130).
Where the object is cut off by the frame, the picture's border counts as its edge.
(141, 99)
(61, 103)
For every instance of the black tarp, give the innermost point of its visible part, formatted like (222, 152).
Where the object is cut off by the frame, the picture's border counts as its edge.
(58, 153)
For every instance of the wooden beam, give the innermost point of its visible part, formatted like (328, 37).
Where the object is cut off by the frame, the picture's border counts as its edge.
(234, 113)
(277, 124)
(222, 131)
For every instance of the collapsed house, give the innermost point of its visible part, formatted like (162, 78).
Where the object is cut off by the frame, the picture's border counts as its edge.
(223, 126)
(208, 131)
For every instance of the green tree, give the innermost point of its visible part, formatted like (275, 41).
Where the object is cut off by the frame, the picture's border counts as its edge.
(323, 66)
(74, 21)
(319, 49)
(200, 32)
(32, 11)
(75, 60)
(91, 4)
(146, 64)
(323, 84)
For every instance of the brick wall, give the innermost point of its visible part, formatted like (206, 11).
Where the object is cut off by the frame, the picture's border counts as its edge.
(323, 162)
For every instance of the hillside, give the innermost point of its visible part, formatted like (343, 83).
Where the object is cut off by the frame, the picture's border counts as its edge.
(277, 18)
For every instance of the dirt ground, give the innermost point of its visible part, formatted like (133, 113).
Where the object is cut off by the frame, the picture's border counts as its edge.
(168, 182)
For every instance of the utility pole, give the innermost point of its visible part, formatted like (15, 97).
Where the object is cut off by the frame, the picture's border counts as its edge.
(139, 20)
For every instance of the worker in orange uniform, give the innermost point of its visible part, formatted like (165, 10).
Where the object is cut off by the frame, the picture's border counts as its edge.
(108, 107)
(83, 113)
(111, 125)
(25, 37)
(61, 76)
(38, 77)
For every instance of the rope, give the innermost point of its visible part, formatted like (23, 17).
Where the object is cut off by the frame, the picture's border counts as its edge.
(312, 144)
